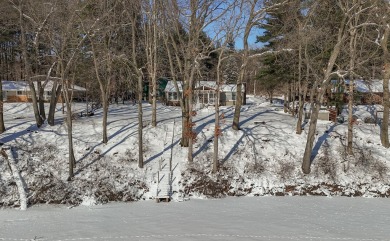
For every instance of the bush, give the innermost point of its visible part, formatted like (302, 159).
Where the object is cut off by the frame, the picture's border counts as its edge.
(326, 166)
(285, 170)
(255, 168)
(369, 120)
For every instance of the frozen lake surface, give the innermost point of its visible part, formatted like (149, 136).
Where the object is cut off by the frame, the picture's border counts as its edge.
(247, 218)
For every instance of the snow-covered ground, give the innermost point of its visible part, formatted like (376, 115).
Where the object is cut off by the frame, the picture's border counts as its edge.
(264, 158)
(260, 218)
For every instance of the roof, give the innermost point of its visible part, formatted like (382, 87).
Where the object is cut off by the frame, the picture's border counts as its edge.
(369, 86)
(23, 86)
(170, 87)
(14, 85)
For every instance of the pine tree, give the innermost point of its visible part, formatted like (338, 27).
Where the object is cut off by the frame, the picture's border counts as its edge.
(275, 67)
(230, 70)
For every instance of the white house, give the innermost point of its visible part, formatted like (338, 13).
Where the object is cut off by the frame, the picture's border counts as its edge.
(205, 93)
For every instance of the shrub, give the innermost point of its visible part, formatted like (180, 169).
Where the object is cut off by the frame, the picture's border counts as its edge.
(254, 168)
(285, 170)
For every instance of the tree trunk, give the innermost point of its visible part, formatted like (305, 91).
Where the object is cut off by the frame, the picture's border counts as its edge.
(300, 115)
(217, 129)
(2, 126)
(350, 118)
(300, 101)
(302, 104)
(190, 130)
(154, 66)
(352, 51)
(140, 124)
(105, 116)
(27, 72)
(41, 102)
(38, 118)
(55, 95)
(307, 158)
(237, 109)
(292, 96)
(386, 102)
(285, 102)
(72, 160)
(154, 102)
(185, 118)
(306, 162)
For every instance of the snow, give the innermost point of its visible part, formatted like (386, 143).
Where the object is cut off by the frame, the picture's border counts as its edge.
(207, 84)
(14, 85)
(23, 86)
(365, 86)
(262, 218)
(375, 86)
(263, 159)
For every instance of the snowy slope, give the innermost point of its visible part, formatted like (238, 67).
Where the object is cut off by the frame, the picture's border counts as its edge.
(263, 158)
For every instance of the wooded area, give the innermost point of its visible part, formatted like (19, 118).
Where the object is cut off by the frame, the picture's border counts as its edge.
(115, 47)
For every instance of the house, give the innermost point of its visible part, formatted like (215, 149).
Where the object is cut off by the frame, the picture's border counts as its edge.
(19, 91)
(370, 92)
(15, 91)
(205, 93)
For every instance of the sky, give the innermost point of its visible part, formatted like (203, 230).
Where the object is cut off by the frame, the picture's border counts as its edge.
(251, 40)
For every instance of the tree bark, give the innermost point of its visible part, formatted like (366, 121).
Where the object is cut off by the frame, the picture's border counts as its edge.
(140, 124)
(301, 102)
(41, 102)
(105, 116)
(217, 129)
(55, 95)
(71, 159)
(27, 67)
(2, 126)
(352, 51)
(307, 157)
(386, 102)
(350, 118)
(38, 118)
(217, 126)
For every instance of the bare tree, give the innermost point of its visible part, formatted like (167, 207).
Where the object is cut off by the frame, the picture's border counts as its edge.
(384, 42)
(28, 72)
(35, 19)
(2, 126)
(322, 81)
(151, 44)
(184, 26)
(354, 20)
(67, 44)
(254, 12)
(104, 24)
(133, 15)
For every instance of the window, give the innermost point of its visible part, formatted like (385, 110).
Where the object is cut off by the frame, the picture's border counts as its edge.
(172, 96)
(212, 98)
(203, 98)
(234, 96)
(48, 93)
(19, 92)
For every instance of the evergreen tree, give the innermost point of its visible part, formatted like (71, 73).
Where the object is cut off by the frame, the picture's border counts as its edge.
(230, 70)
(276, 67)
